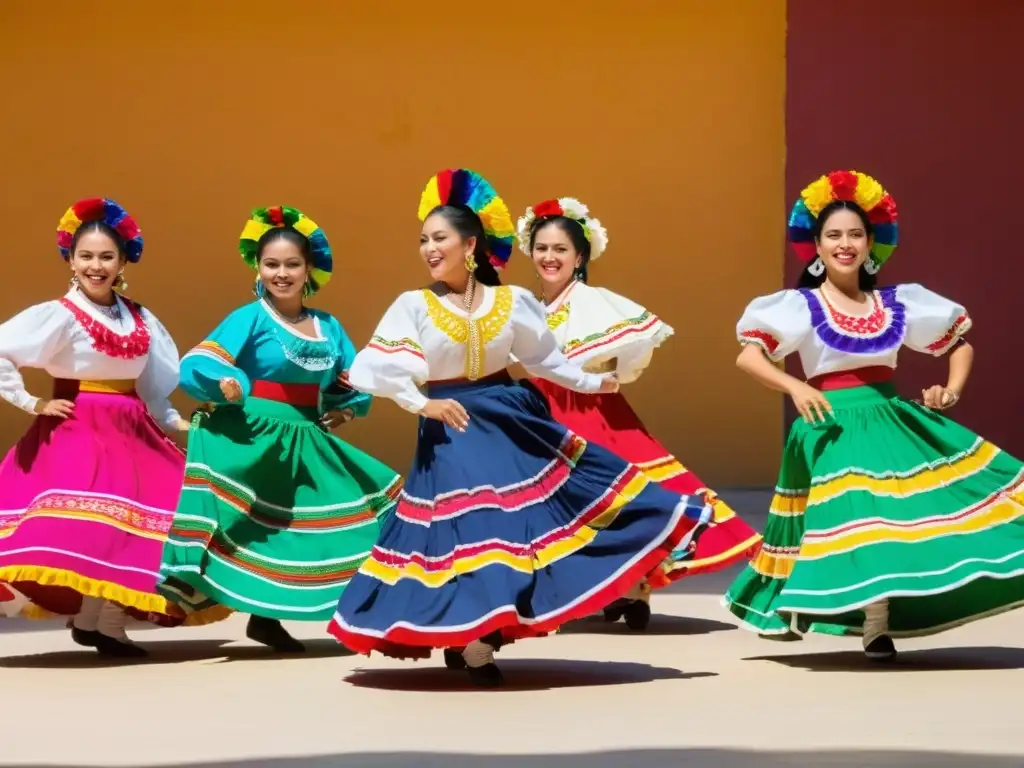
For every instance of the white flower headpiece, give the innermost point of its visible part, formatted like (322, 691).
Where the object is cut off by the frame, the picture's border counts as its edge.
(570, 208)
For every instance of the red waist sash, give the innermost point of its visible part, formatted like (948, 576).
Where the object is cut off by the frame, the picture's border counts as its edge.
(299, 395)
(859, 377)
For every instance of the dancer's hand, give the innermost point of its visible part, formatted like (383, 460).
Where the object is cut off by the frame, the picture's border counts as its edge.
(449, 412)
(810, 402)
(231, 390)
(59, 408)
(939, 398)
(181, 425)
(609, 384)
(333, 419)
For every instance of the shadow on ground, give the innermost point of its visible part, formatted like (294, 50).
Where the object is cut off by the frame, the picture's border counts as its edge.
(660, 625)
(669, 758)
(520, 675)
(171, 652)
(930, 660)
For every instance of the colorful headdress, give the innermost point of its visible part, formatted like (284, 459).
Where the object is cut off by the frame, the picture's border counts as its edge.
(107, 211)
(570, 208)
(265, 219)
(845, 185)
(458, 186)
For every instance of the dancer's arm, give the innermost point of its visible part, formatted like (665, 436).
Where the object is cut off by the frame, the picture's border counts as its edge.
(210, 367)
(535, 347)
(393, 364)
(29, 340)
(937, 326)
(160, 376)
(339, 396)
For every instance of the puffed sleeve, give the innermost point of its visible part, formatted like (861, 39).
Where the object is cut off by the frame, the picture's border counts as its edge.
(339, 394)
(777, 324)
(160, 376)
(934, 323)
(613, 326)
(30, 339)
(214, 358)
(393, 364)
(535, 347)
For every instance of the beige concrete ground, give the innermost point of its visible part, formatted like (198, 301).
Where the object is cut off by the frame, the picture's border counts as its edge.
(693, 691)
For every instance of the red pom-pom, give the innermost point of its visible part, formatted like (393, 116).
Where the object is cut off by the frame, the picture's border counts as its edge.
(844, 185)
(884, 212)
(127, 228)
(548, 208)
(90, 209)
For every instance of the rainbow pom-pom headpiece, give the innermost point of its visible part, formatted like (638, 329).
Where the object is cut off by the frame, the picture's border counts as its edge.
(458, 186)
(265, 219)
(570, 208)
(107, 211)
(845, 185)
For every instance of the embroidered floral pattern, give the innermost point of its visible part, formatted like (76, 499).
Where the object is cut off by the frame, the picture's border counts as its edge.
(960, 326)
(859, 335)
(109, 342)
(559, 316)
(457, 327)
(628, 325)
(391, 346)
(763, 339)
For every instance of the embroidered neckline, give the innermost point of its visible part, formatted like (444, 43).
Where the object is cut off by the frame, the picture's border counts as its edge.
(559, 316)
(883, 329)
(858, 325)
(456, 326)
(124, 346)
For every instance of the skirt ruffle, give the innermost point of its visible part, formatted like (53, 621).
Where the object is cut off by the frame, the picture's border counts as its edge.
(85, 505)
(609, 421)
(887, 500)
(276, 514)
(516, 525)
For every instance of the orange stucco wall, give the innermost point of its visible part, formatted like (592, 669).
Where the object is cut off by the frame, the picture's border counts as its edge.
(666, 118)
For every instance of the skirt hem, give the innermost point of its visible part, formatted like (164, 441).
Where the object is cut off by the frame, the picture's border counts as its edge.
(105, 590)
(406, 642)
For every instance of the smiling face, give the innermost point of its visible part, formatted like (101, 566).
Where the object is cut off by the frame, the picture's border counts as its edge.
(844, 243)
(283, 269)
(96, 262)
(554, 255)
(444, 251)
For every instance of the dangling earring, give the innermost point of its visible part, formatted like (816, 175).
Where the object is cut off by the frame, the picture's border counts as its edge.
(258, 290)
(307, 289)
(817, 267)
(471, 262)
(73, 282)
(870, 266)
(120, 284)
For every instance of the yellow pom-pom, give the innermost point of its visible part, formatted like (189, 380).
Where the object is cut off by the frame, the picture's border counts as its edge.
(869, 192)
(817, 195)
(430, 199)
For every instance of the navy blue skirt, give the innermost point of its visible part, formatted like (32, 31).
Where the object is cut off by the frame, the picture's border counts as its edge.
(516, 525)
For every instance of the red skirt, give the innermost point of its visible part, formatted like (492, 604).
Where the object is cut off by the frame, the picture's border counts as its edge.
(609, 421)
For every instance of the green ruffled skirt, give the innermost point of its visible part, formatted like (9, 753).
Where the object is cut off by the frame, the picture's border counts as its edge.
(276, 514)
(886, 500)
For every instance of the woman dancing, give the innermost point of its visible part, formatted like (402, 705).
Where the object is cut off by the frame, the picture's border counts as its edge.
(889, 519)
(277, 513)
(87, 495)
(509, 524)
(605, 332)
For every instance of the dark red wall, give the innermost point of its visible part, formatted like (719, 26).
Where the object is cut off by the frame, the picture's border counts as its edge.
(928, 97)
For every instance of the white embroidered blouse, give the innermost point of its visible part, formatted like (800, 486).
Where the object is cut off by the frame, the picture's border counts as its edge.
(805, 323)
(604, 331)
(423, 337)
(54, 336)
